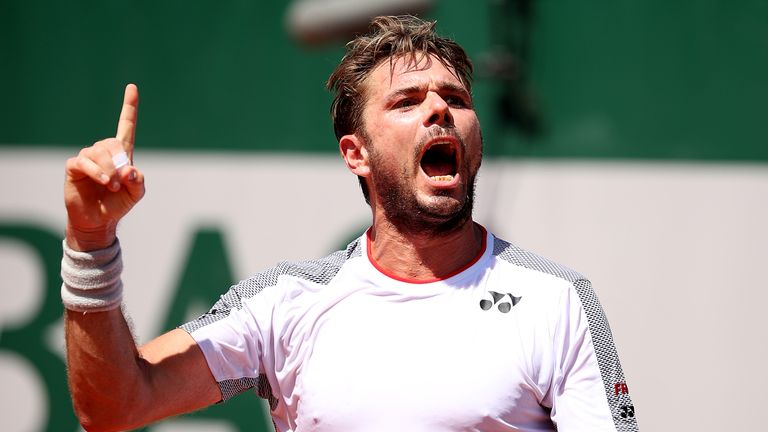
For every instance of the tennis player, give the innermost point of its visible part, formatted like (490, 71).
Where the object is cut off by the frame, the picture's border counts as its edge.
(426, 322)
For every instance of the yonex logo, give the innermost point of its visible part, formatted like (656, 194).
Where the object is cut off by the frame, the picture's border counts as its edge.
(627, 411)
(503, 306)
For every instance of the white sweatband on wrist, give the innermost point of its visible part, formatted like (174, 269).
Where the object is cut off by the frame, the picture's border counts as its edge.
(91, 280)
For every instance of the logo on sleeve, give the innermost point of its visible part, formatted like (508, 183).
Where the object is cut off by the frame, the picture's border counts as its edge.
(496, 299)
(627, 411)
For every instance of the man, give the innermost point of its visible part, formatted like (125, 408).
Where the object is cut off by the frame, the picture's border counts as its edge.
(426, 322)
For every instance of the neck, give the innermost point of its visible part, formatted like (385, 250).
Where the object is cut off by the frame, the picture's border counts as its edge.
(423, 257)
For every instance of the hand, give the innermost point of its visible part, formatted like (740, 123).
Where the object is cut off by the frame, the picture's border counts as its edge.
(96, 193)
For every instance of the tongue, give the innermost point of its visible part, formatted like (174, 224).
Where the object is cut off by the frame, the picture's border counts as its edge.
(437, 168)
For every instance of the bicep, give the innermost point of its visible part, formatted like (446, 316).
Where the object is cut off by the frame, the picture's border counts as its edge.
(178, 375)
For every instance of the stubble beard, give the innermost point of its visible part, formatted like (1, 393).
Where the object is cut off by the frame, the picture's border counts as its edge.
(405, 211)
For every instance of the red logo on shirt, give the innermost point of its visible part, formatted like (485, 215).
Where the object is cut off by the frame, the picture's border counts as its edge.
(621, 387)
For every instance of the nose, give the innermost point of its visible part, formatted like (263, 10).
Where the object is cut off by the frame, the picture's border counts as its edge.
(438, 111)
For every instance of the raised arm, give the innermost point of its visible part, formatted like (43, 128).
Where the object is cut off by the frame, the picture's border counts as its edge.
(114, 384)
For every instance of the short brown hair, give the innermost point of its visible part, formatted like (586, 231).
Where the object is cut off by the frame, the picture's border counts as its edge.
(389, 37)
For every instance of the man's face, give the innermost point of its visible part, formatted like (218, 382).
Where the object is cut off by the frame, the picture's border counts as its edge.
(424, 144)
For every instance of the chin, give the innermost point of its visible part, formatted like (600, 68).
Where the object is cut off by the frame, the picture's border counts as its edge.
(441, 214)
(442, 206)
(422, 210)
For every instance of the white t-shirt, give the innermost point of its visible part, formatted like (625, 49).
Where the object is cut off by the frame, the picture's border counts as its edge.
(511, 342)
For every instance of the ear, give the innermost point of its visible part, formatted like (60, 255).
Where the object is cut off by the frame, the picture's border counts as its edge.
(355, 155)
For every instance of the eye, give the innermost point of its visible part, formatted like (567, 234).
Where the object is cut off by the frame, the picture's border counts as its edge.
(405, 103)
(456, 101)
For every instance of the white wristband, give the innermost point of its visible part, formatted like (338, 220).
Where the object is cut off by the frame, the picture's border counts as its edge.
(91, 280)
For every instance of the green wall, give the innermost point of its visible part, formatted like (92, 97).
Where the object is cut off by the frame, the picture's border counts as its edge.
(628, 78)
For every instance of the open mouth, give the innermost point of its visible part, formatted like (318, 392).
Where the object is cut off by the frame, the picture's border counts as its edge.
(440, 161)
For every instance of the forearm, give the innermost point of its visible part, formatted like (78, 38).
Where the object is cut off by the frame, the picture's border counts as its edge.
(106, 374)
(114, 384)
(117, 386)
(107, 378)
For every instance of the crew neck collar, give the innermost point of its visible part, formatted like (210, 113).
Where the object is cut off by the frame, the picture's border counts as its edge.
(483, 249)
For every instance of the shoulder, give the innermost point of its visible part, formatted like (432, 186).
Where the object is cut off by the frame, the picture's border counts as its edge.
(512, 254)
(575, 291)
(318, 271)
(562, 280)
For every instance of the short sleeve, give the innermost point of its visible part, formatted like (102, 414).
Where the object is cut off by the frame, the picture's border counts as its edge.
(589, 391)
(231, 336)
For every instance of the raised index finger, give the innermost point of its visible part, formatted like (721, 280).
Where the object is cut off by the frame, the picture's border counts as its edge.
(126, 125)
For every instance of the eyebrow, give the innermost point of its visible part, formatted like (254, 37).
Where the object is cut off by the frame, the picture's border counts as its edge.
(442, 86)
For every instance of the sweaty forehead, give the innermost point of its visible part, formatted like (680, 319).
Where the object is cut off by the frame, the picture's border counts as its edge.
(402, 72)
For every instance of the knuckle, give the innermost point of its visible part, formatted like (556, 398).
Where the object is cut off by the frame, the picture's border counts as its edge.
(71, 164)
(104, 144)
(80, 164)
(101, 152)
(114, 145)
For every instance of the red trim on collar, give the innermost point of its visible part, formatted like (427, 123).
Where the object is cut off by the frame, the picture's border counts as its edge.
(415, 281)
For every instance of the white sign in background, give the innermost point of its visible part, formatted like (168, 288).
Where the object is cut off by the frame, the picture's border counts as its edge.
(676, 253)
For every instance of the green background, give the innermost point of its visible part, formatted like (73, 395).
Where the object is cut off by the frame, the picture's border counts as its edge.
(607, 79)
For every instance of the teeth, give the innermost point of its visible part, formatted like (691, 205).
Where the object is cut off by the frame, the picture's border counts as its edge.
(441, 178)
